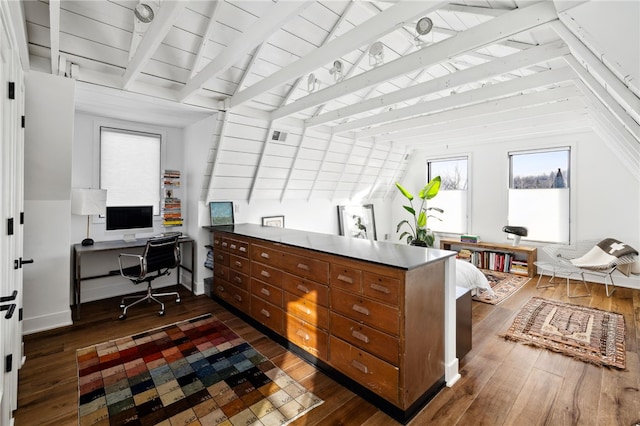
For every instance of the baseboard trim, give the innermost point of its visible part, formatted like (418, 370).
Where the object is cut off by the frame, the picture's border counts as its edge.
(47, 322)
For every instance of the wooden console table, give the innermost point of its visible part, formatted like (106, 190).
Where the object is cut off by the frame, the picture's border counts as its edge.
(370, 314)
(529, 253)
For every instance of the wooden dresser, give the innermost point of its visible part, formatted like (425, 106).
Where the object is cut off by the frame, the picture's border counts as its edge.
(371, 314)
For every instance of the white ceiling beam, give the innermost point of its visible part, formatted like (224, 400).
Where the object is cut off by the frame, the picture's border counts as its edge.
(479, 72)
(476, 10)
(322, 163)
(54, 34)
(345, 164)
(590, 63)
(469, 97)
(278, 14)
(359, 36)
(167, 15)
(16, 18)
(474, 38)
(205, 38)
(221, 140)
(363, 168)
(296, 157)
(376, 182)
(398, 128)
(245, 74)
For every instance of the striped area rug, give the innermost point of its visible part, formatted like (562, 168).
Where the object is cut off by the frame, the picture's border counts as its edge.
(192, 372)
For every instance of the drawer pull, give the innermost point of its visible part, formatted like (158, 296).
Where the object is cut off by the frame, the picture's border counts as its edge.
(380, 288)
(302, 334)
(238, 263)
(265, 291)
(360, 309)
(345, 279)
(265, 274)
(243, 249)
(237, 279)
(238, 297)
(265, 313)
(303, 266)
(233, 246)
(220, 272)
(224, 244)
(220, 288)
(359, 366)
(264, 255)
(303, 289)
(220, 257)
(216, 242)
(360, 336)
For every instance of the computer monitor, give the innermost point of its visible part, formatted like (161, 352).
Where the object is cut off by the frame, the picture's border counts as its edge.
(130, 220)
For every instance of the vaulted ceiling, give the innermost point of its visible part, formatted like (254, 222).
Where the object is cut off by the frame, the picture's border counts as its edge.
(310, 64)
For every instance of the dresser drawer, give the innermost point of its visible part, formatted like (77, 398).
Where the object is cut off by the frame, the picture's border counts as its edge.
(308, 337)
(266, 273)
(240, 264)
(302, 287)
(266, 255)
(239, 279)
(221, 271)
(217, 241)
(306, 267)
(381, 288)
(239, 248)
(232, 295)
(371, 372)
(267, 314)
(373, 341)
(346, 277)
(380, 316)
(220, 257)
(224, 244)
(267, 292)
(306, 310)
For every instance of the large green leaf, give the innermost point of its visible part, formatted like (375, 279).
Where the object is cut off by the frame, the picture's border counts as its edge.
(431, 189)
(422, 219)
(410, 209)
(406, 193)
(402, 222)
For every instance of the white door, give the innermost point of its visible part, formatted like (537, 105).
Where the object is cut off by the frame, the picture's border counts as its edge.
(11, 230)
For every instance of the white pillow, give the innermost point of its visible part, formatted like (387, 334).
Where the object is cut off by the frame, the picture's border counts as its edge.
(468, 276)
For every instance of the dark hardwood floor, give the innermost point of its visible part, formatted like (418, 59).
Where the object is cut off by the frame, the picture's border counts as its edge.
(503, 383)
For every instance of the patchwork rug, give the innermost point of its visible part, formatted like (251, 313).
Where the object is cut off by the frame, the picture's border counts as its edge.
(503, 285)
(588, 334)
(192, 372)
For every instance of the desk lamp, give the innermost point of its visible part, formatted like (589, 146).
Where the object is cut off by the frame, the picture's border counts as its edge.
(88, 202)
(517, 232)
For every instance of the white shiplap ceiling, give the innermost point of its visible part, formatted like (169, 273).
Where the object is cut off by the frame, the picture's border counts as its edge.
(483, 63)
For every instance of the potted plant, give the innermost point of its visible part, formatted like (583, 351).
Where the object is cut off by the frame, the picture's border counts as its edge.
(418, 233)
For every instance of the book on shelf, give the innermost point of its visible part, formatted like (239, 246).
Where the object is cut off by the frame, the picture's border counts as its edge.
(468, 238)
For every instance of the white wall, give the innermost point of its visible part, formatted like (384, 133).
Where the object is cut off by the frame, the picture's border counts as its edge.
(605, 197)
(47, 167)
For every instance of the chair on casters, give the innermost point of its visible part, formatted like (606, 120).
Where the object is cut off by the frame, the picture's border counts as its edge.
(160, 256)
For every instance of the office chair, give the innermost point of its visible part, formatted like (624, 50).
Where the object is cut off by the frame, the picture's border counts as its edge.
(160, 256)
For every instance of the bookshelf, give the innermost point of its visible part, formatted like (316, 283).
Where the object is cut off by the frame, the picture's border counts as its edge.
(500, 253)
(171, 204)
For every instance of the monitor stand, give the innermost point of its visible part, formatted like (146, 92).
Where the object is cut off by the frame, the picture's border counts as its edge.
(129, 238)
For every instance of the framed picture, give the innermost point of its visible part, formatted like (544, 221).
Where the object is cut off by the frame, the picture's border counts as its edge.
(221, 212)
(357, 222)
(277, 221)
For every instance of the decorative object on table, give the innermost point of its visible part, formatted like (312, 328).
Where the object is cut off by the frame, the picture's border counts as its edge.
(276, 221)
(588, 334)
(196, 370)
(504, 285)
(468, 238)
(419, 234)
(517, 231)
(221, 212)
(357, 222)
(87, 202)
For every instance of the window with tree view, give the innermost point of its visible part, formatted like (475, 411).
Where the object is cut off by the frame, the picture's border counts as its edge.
(539, 193)
(452, 197)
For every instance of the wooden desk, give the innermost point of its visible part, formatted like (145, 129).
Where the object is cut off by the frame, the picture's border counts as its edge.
(118, 245)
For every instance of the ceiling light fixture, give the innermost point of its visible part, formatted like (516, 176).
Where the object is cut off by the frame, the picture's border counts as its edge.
(376, 54)
(336, 71)
(144, 13)
(312, 83)
(423, 27)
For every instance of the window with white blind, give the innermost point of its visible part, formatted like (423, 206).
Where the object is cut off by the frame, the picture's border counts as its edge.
(539, 184)
(452, 197)
(130, 167)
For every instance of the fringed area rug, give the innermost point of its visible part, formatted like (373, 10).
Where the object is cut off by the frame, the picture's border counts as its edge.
(588, 334)
(503, 285)
(194, 372)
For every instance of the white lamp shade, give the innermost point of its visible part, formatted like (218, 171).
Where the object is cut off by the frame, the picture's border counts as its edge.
(88, 201)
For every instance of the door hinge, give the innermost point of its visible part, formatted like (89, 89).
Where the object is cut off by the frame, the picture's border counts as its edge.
(12, 90)
(20, 314)
(8, 363)
(10, 226)
(22, 122)
(21, 218)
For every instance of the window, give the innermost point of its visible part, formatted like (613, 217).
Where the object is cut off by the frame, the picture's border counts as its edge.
(452, 197)
(130, 167)
(539, 185)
